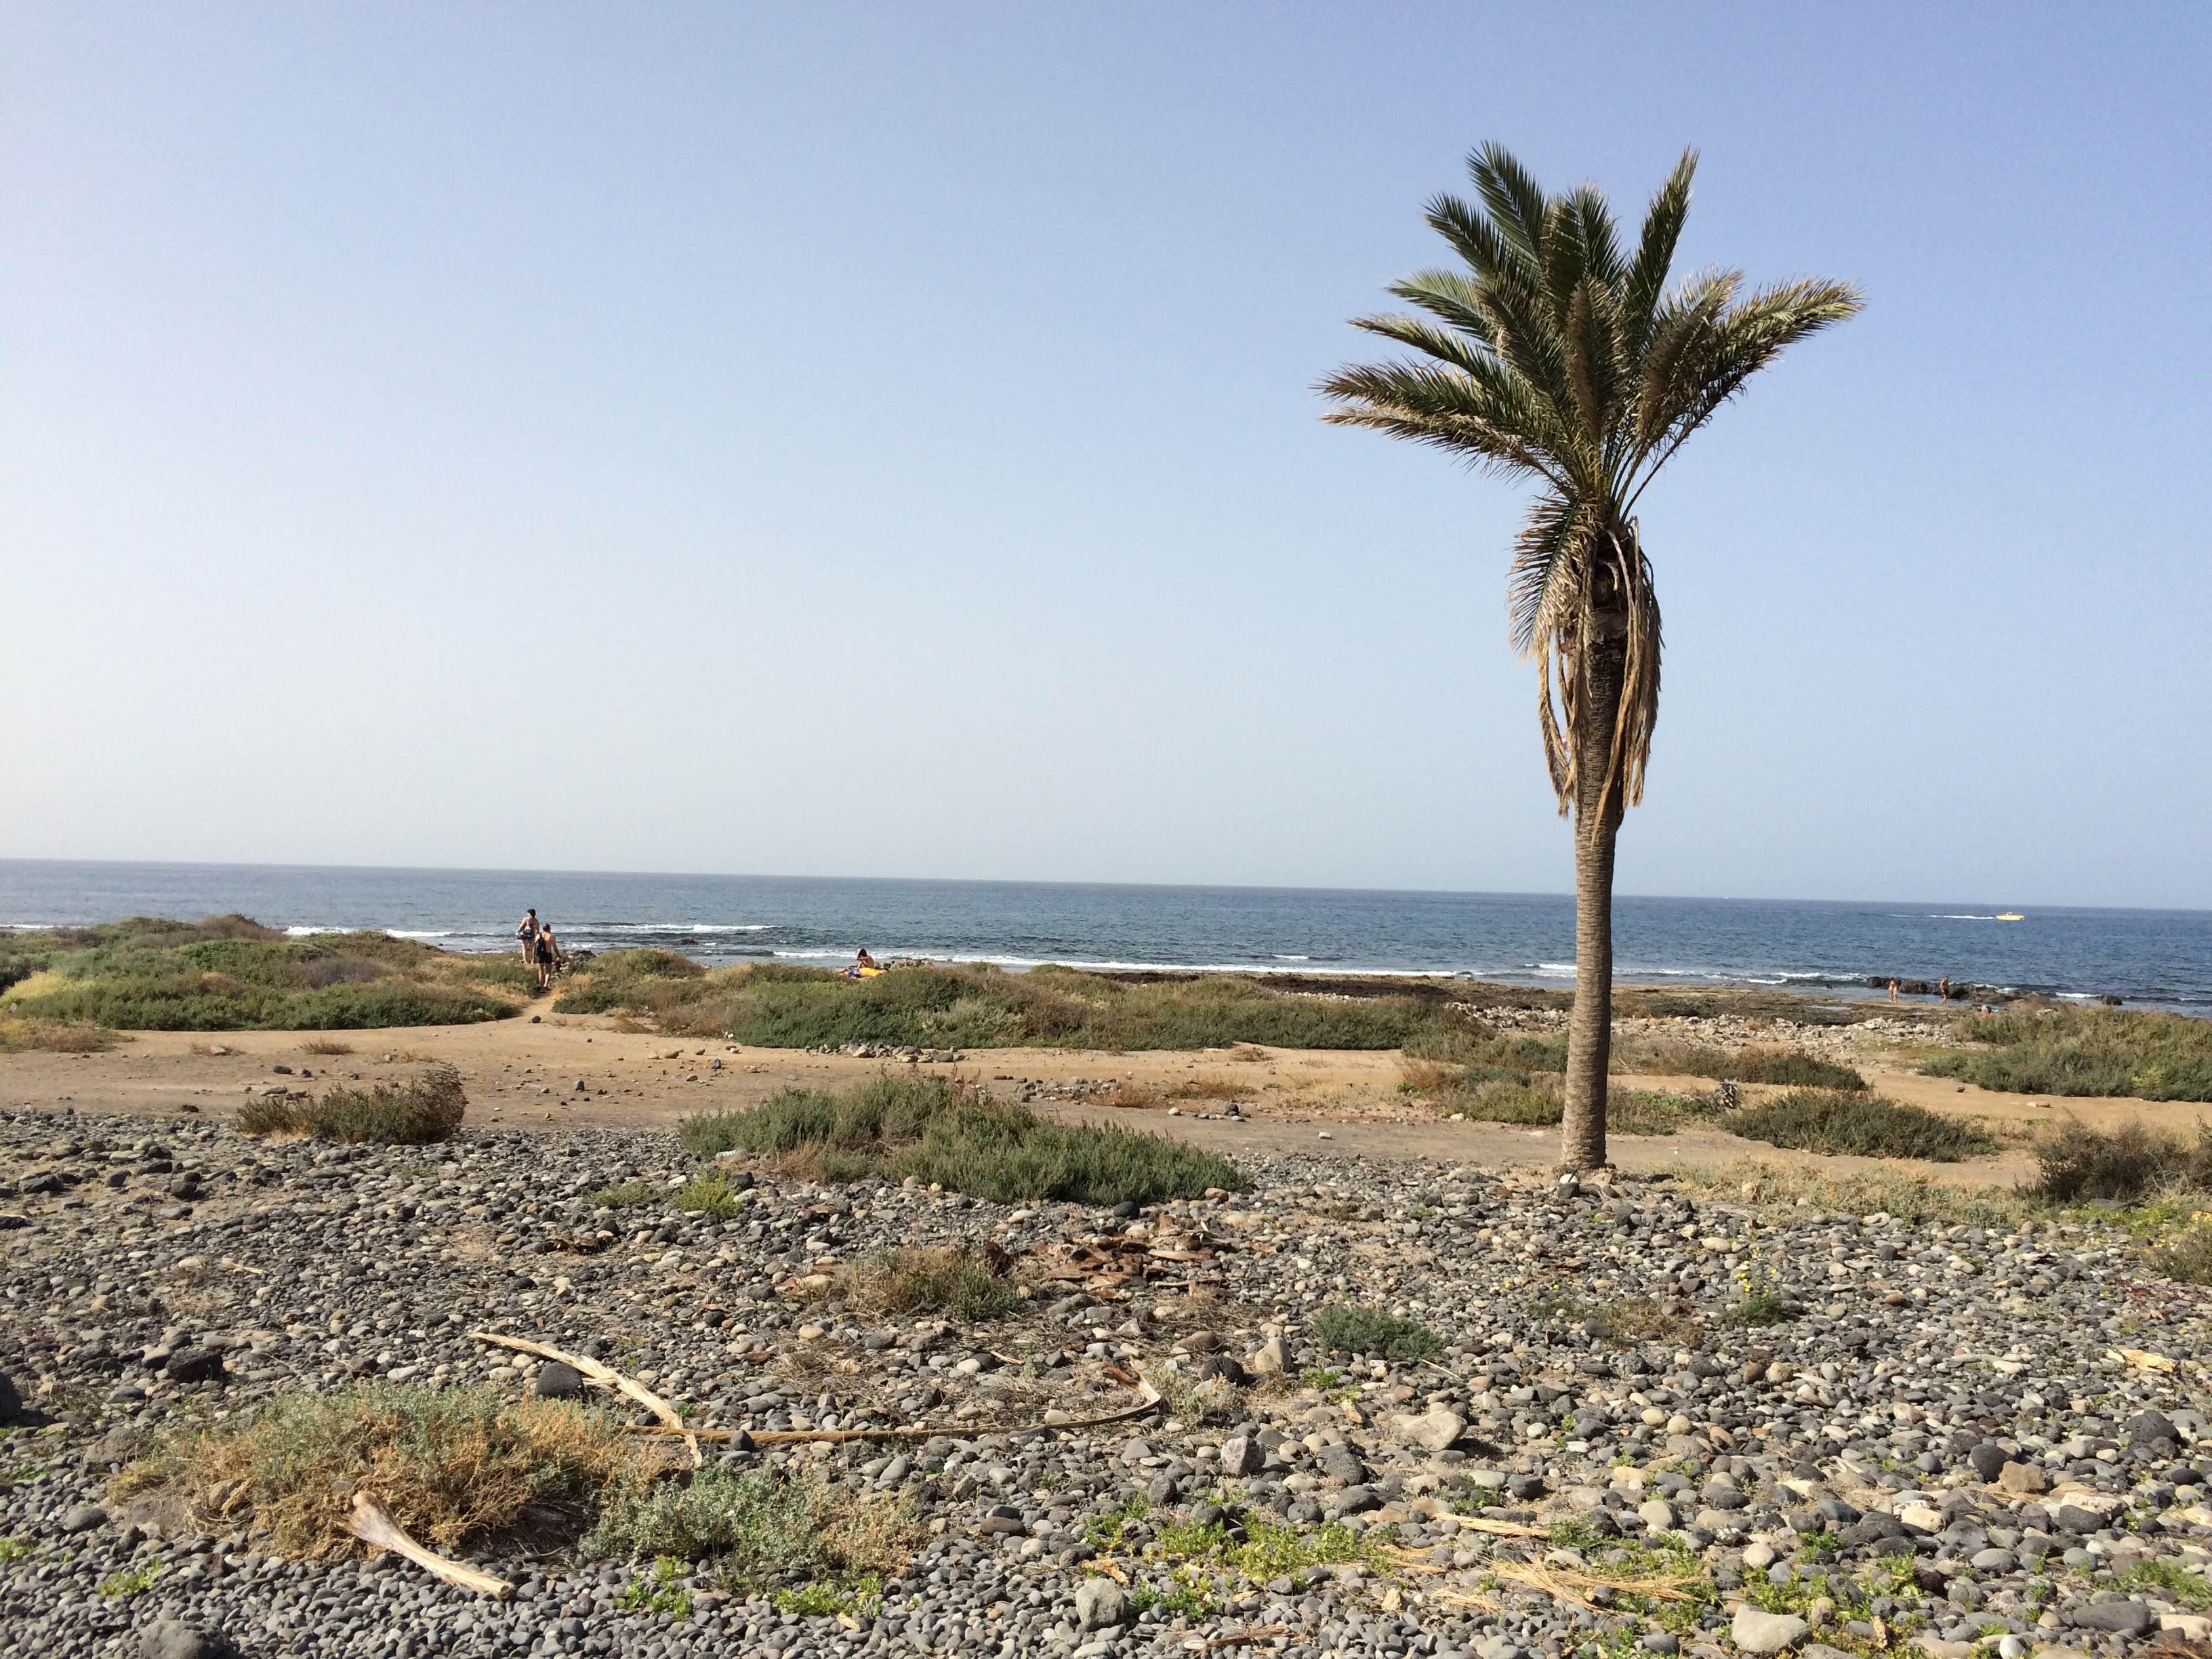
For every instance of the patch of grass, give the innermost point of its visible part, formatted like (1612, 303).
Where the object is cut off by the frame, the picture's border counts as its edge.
(1833, 1121)
(1269, 1549)
(134, 1581)
(863, 1598)
(947, 1132)
(2172, 1580)
(2186, 1258)
(1791, 1066)
(1783, 1190)
(627, 1196)
(2083, 1052)
(660, 1591)
(1343, 1329)
(230, 974)
(1210, 1088)
(325, 1045)
(1107, 1531)
(1463, 1042)
(961, 1280)
(760, 1528)
(2077, 1162)
(1763, 1305)
(13, 1550)
(410, 1114)
(458, 1469)
(710, 1194)
(53, 1037)
(625, 979)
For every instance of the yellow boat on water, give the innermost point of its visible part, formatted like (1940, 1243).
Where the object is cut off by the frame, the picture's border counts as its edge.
(2010, 916)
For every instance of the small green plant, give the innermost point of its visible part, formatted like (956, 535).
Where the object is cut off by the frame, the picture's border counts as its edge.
(627, 1196)
(135, 1581)
(823, 1599)
(2172, 1580)
(1322, 1377)
(659, 1589)
(1762, 1303)
(1342, 1328)
(13, 1550)
(1107, 1531)
(710, 1194)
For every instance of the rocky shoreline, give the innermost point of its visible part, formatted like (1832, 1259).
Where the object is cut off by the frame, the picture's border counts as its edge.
(1953, 1439)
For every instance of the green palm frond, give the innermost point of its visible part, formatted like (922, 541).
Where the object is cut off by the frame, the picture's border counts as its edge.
(1553, 357)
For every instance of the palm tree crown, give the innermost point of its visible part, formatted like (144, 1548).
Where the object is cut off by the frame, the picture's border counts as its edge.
(1551, 357)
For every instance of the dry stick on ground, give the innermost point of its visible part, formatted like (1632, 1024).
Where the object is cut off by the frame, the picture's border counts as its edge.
(371, 1523)
(921, 1432)
(606, 1376)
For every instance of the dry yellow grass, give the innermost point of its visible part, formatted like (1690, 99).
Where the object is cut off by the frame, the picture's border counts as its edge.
(456, 1467)
(58, 1037)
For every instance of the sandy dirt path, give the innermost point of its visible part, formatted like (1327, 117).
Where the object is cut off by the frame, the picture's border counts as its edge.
(525, 1075)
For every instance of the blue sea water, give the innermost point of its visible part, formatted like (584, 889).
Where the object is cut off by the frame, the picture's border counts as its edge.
(2155, 957)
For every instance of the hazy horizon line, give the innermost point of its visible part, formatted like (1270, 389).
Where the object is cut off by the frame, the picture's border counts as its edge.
(999, 881)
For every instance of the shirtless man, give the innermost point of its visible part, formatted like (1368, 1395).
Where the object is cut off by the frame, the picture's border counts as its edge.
(548, 956)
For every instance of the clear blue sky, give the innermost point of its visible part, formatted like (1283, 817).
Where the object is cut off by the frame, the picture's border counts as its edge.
(837, 440)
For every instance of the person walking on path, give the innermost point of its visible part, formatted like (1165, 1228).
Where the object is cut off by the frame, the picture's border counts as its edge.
(1943, 990)
(548, 955)
(527, 932)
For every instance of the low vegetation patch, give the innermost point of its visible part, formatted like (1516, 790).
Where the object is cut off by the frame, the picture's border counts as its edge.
(946, 1131)
(778, 1006)
(230, 974)
(2186, 1258)
(1792, 1189)
(57, 1036)
(325, 1045)
(796, 1534)
(710, 1194)
(963, 1281)
(2077, 1162)
(1344, 1328)
(2083, 1052)
(459, 1469)
(410, 1114)
(626, 1195)
(1789, 1066)
(1835, 1121)
(1489, 1094)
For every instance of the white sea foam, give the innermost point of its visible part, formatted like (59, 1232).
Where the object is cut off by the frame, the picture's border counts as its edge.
(306, 932)
(420, 933)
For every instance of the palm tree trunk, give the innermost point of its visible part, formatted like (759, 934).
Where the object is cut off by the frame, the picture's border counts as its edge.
(1597, 822)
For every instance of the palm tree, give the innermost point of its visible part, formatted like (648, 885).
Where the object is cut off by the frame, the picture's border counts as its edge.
(1549, 358)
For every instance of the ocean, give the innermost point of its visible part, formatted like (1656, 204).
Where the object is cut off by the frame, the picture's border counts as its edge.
(2159, 958)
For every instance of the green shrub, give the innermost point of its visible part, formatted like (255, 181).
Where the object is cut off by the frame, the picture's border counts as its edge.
(423, 1109)
(778, 1006)
(1833, 1121)
(2077, 1162)
(230, 975)
(2083, 1052)
(937, 1130)
(1341, 1329)
(52, 1037)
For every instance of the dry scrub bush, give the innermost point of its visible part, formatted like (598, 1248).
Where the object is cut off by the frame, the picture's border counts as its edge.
(424, 1109)
(458, 1468)
(57, 1036)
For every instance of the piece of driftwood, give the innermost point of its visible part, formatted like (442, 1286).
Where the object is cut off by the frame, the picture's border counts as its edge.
(920, 1431)
(607, 1376)
(371, 1522)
